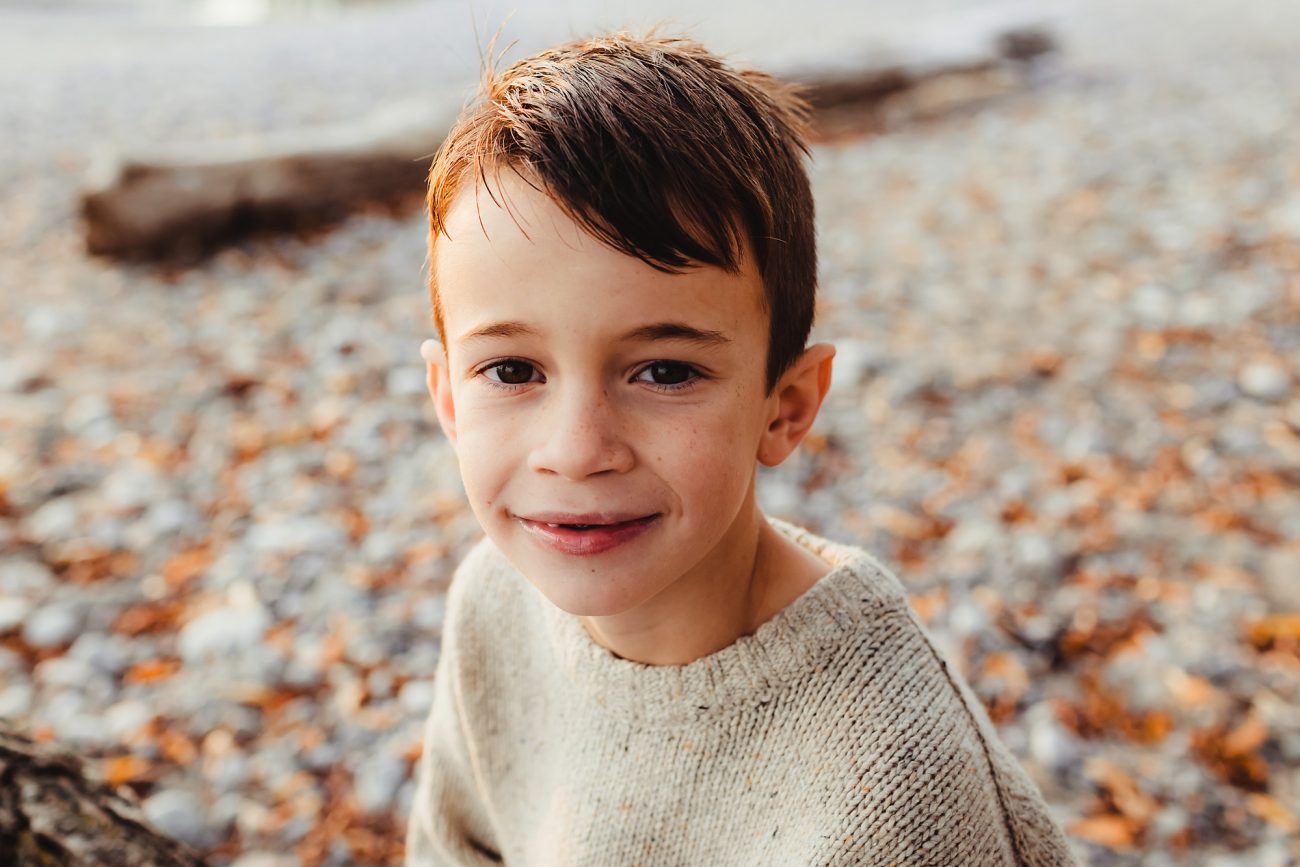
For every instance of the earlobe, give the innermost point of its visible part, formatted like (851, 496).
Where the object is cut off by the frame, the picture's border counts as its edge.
(798, 397)
(439, 386)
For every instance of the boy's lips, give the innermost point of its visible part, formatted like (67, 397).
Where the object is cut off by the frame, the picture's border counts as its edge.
(585, 533)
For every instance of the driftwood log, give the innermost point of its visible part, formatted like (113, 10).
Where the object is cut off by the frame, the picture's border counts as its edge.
(180, 202)
(53, 813)
(183, 202)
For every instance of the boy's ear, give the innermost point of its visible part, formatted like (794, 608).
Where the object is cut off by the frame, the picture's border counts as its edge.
(440, 387)
(795, 402)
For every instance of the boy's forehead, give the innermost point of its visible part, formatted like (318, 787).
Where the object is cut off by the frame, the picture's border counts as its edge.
(510, 248)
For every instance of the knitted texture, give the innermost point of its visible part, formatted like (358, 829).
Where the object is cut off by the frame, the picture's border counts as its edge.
(836, 734)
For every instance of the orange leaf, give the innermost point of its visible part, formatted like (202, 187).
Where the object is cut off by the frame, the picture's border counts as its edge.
(1277, 630)
(124, 769)
(186, 565)
(1272, 811)
(151, 671)
(1113, 832)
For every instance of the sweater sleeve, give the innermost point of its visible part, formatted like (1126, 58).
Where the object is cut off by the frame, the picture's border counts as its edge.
(450, 824)
(1036, 838)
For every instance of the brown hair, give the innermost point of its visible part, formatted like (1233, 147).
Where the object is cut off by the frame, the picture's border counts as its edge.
(660, 150)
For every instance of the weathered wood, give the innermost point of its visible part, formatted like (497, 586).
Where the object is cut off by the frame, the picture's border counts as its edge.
(180, 202)
(53, 813)
(839, 83)
(183, 202)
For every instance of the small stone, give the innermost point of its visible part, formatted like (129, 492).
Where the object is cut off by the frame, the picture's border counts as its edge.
(1051, 745)
(81, 730)
(13, 611)
(21, 576)
(62, 671)
(16, 700)
(230, 772)
(1153, 305)
(222, 632)
(11, 663)
(109, 654)
(855, 362)
(294, 536)
(1169, 821)
(132, 486)
(428, 613)
(416, 696)
(52, 625)
(124, 719)
(178, 814)
(376, 783)
(406, 381)
(266, 859)
(1263, 381)
(57, 519)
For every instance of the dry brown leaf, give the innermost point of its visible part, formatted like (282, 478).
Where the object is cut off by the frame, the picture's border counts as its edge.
(1231, 755)
(187, 565)
(1276, 632)
(151, 671)
(1113, 832)
(148, 617)
(1273, 811)
(120, 770)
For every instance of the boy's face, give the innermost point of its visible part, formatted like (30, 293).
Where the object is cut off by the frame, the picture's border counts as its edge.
(581, 386)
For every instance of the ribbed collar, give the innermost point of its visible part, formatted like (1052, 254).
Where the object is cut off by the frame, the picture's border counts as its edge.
(797, 641)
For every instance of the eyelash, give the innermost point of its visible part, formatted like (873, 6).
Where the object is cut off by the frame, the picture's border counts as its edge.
(695, 375)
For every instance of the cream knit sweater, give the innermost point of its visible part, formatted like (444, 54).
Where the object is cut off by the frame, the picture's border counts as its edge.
(837, 734)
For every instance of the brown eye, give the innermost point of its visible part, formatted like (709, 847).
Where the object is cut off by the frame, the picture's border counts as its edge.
(511, 372)
(666, 373)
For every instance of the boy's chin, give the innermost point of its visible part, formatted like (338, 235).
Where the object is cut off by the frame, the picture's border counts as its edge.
(584, 595)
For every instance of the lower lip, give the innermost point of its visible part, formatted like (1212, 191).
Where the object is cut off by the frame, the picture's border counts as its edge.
(582, 543)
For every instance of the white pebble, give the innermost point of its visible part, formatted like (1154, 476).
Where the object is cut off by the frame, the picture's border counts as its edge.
(1264, 381)
(13, 611)
(223, 631)
(51, 626)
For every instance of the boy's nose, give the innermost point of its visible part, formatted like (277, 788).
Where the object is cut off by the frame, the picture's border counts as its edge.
(579, 436)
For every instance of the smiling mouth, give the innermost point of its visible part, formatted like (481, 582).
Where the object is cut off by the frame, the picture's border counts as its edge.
(608, 525)
(586, 521)
(586, 535)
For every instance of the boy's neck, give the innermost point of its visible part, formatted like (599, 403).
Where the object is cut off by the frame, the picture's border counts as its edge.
(761, 571)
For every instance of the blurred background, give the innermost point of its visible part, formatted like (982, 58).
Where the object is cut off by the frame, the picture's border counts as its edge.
(1066, 296)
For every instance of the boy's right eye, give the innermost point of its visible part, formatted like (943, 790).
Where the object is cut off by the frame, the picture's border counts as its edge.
(511, 371)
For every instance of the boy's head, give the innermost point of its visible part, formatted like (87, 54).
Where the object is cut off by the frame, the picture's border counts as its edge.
(622, 266)
(660, 150)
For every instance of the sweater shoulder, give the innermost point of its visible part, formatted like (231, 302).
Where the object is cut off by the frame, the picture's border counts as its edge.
(484, 594)
(948, 750)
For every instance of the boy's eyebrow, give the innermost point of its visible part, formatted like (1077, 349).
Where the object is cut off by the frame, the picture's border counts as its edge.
(677, 331)
(500, 329)
(655, 331)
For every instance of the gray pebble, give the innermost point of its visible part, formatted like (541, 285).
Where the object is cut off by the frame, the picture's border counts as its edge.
(266, 859)
(16, 700)
(52, 625)
(108, 653)
(1266, 382)
(295, 535)
(13, 611)
(178, 814)
(125, 718)
(375, 783)
(416, 696)
(222, 632)
(57, 519)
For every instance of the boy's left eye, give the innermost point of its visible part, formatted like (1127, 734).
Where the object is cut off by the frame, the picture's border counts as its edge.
(666, 373)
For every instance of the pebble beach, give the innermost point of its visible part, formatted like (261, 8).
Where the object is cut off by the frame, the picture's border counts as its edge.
(1066, 411)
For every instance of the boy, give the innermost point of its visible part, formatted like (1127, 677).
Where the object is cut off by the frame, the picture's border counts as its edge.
(638, 667)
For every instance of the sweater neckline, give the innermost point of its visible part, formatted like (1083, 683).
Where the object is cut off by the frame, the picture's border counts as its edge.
(798, 640)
